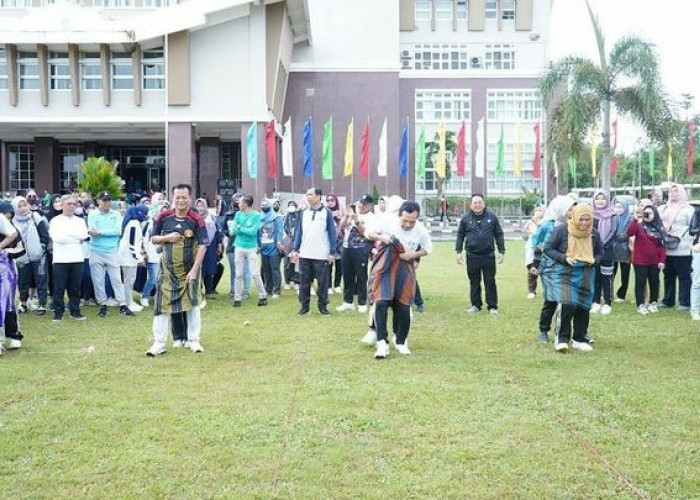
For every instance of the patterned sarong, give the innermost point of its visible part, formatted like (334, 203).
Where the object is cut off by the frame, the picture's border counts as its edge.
(566, 284)
(391, 277)
(173, 294)
(8, 286)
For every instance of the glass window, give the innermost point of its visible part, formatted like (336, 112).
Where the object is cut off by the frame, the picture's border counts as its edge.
(15, 4)
(21, 166)
(153, 69)
(513, 106)
(423, 10)
(507, 9)
(122, 72)
(3, 69)
(71, 156)
(91, 71)
(462, 9)
(500, 56)
(28, 65)
(491, 9)
(113, 3)
(440, 56)
(59, 71)
(443, 10)
(509, 184)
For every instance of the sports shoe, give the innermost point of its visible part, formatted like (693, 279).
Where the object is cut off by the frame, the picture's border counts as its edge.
(473, 310)
(362, 308)
(313, 291)
(346, 306)
(531, 295)
(156, 349)
(561, 346)
(303, 311)
(32, 304)
(287, 287)
(403, 349)
(236, 303)
(178, 343)
(493, 312)
(103, 311)
(642, 309)
(683, 308)
(420, 308)
(111, 302)
(618, 299)
(544, 338)
(262, 302)
(21, 309)
(695, 316)
(144, 303)
(57, 317)
(195, 346)
(125, 311)
(370, 337)
(134, 307)
(581, 346)
(14, 343)
(78, 317)
(595, 308)
(338, 289)
(330, 291)
(275, 295)
(382, 350)
(653, 308)
(324, 311)
(40, 311)
(2, 350)
(605, 310)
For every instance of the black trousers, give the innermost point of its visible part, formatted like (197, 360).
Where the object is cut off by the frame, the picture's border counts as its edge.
(338, 266)
(355, 275)
(178, 326)
(549, 308)
(418, 299)
(271, 274)
(67, 277)
(642, 276)
(604, 284)
(580, 317)
(402, 319)
(290, 274)
(310, 269)
(624, 278)
(677, 267)
(33, 273)
(12, 326)
(479, 266)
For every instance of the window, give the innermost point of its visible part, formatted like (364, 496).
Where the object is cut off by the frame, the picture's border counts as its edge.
(226, 163)
(440, 56)
(122, 72)
(28, 71)
(423, 10)
(21, 166)
(160, 3)
(513, 106)
(436, 106)
(491, 9)
(113, 3)
(462, 9)
(509, 183)
(71, 156)
(91, 71)
(15, 4)
(443, 10)
(500, 56)
(3, 69)
(59, 71)
(153, 69)
(507, 9)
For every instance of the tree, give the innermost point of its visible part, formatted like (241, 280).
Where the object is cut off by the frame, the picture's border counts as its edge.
(99, 175)
(431, 151)
(627, 79)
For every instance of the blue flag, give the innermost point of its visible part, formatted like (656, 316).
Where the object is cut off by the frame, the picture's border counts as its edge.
(308, 148)
(252, 150)
(403, 153)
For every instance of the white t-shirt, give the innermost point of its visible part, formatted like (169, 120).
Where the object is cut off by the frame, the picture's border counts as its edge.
(411, 240)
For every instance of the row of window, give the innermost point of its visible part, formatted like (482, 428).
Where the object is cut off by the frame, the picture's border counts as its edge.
(455, 105)
(444, 9)
(121, 71)
(446, 56)
(117, 4)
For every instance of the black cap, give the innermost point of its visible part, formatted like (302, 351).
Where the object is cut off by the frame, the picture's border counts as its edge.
(366, 199)
(104, 195)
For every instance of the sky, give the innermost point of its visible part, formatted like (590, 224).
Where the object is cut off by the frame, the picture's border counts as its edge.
(672, 25)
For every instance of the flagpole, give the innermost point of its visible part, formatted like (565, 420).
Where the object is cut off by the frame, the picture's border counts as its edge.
(332, 173)
(369, 173)
(408, 129)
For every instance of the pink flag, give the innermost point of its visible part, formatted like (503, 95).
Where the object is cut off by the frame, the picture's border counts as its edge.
(691, 148)
(271, 148)
(536, 160)
(461, 150)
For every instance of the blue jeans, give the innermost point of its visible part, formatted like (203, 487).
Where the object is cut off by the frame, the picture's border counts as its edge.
(695, 287)
(232, 271)
(152, 271)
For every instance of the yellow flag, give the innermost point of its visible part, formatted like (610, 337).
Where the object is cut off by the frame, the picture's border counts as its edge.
(594, 151)
(669, 162)
(441, 157)
(517, 165)
(348, 150)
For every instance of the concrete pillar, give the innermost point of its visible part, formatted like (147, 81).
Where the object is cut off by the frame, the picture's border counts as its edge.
(209, 166)
(46, 165)
(181, 155)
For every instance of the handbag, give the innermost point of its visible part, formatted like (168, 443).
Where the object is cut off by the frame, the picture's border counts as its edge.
(287, 245)
(671, 242)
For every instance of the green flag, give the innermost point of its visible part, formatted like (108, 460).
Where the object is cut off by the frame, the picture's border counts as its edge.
(420, 154)
(500, 158)
(651, 161)
(327, 153)
(572, 166)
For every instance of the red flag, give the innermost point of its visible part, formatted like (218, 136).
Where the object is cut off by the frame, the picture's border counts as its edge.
(536, 160)
(691, 147)
(613, 160)
(461, 149)
(271, 148)
(364, 157)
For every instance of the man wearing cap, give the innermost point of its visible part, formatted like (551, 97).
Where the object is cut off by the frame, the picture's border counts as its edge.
(355, 254)
(271, 235)
(105, 228)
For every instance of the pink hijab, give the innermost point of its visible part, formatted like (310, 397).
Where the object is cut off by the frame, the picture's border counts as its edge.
(604, 215)
(673, 207)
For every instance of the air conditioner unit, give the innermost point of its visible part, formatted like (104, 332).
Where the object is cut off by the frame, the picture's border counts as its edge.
(405, 64)
(405, 54)
(476, 62)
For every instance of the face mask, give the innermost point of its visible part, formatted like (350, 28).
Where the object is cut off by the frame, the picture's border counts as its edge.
(276, 208)
(78, 211)
(291, 210)
(266, 209)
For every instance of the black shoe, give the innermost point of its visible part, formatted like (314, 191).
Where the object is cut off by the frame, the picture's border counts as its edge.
(323, 311)
(303, 311)
(78, 317)
(544, 338)
(420, 308)
(103, 311)
(236, 303)
(262, 302)
(125, 311)
(58, 317)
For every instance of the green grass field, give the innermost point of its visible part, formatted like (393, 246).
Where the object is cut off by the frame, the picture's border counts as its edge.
(291, 407)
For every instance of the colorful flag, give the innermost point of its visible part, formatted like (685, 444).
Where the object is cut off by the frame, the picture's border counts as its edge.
(613, 160)
(308, 148)
(651, 161)
(691, 148)
(461, 151)
(327, 151)
(364, 154)
(479, 159)
(669, 162)
(271, 149)
(441, 163)
(348, 150)
(251, 146)
(420, 154)
(594, 150)
(382, 163)
(500, 155)
(537, 161)
(517, 167)
(572, 166)
(403, 153)
(287, 157)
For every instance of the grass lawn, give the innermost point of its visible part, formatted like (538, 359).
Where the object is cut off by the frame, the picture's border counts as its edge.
(290, 407)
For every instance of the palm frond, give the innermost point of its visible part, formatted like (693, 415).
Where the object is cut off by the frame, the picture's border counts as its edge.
(558, 74)
(635, 58)
(599, 36)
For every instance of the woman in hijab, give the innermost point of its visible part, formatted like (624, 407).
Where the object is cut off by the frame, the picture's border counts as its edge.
(56, 207)
(676, 216)
(334, 206)
(649, 256)
(131, 252)
(621, 248)
(530, 228)
(214, 249)
(574, 249)
(605, 221)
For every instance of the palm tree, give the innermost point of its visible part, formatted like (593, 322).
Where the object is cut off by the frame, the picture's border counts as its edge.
(627, 79)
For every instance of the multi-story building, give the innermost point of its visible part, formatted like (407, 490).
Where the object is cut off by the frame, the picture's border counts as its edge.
(170, 88)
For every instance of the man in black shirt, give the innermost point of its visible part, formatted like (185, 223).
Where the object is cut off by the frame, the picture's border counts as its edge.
(480, 228)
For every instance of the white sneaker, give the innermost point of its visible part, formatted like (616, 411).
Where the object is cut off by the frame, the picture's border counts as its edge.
(695, 316)
(605, 310)
(345, 306)
(618, 299)
(195, 346)
(642, 309)
(330, 291)
(581, 346)
(403, 349)
(313, 291)
(561, 347)
(362, 309)
(382, 350)
(134, 307)
(275, 296)
(156, 349)
(33, 304)
(653, 308)
(595, 308)
(370, 337)
(287, 287)
(531, 295)
(144, 303)
(338, 289)
(14, 344)
(178, 343)
(111, 303)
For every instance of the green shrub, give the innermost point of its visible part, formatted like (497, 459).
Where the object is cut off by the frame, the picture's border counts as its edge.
(100, 175)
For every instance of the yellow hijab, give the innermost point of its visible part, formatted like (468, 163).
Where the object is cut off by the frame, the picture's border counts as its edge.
(580, 243)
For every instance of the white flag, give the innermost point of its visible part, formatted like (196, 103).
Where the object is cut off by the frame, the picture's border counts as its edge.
(382, 165)
(480, 156)
(287, 158)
